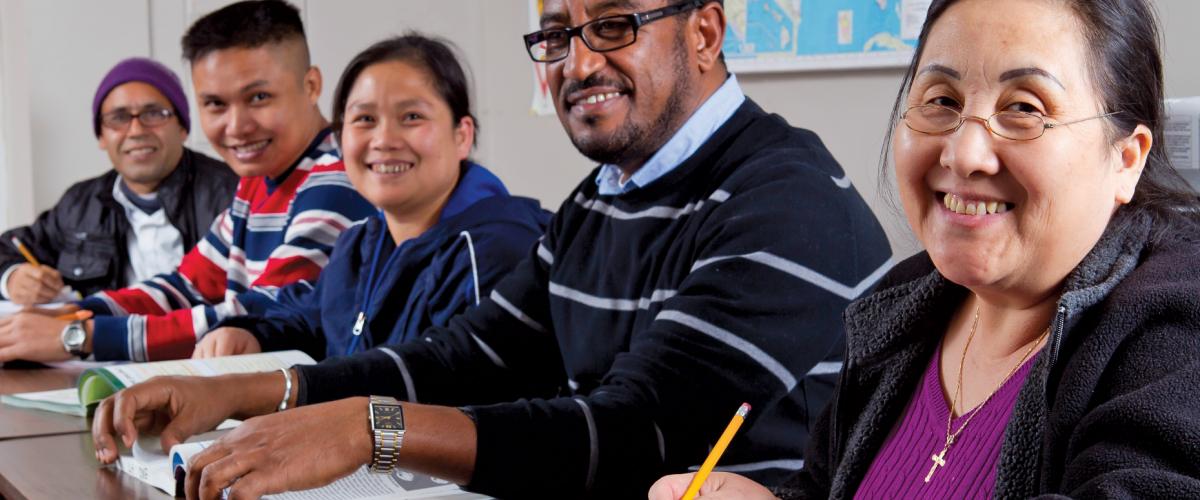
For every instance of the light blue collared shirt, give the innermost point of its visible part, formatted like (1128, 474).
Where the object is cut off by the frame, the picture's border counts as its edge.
(697, 129)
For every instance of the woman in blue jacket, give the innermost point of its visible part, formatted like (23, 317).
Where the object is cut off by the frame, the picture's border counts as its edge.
(447, 229)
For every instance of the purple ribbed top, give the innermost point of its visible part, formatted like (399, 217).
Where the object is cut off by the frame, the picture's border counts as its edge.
(899, 469)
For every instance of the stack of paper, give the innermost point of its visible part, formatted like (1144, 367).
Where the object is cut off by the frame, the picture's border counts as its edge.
(1181, 137)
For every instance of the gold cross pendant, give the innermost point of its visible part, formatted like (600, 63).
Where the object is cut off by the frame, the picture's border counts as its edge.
(939, 460)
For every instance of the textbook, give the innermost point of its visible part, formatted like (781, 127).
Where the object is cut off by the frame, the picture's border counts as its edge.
(168, 472)
(57, 401)
(100, 382)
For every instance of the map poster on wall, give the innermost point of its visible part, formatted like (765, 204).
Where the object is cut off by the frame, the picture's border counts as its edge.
(804, 35)
(797, 35)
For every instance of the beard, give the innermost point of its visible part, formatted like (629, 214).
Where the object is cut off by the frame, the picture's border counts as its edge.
(634, 141)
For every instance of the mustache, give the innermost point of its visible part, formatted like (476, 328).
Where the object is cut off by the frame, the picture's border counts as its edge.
(138, 142)
(572, 86)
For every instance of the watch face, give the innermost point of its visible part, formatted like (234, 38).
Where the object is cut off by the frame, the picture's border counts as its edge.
(387, 417)
(75, 335)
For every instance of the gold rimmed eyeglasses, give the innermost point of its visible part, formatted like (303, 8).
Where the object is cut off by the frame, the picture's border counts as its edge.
(934, 119)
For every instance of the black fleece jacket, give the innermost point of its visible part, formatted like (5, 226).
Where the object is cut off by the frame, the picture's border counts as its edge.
(1111, 409)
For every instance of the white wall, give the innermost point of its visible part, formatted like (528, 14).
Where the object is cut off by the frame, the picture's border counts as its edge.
(16, 143)
(68, 44)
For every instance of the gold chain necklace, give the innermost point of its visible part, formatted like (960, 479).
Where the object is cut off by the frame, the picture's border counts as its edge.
(939, 460)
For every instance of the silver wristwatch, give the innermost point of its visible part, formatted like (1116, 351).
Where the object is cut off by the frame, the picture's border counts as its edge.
(387, 426)
(73, 337)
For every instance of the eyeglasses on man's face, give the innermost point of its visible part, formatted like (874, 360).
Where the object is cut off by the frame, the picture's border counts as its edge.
(600, 35)
(150, 116)
(934, 119)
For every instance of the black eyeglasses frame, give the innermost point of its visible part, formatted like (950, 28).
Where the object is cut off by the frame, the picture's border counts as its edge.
(635, 20)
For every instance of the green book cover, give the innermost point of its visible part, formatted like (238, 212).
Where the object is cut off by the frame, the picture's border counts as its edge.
(95, 384)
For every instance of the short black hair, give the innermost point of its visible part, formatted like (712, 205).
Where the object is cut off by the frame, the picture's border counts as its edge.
(433, 55)
(247, 24)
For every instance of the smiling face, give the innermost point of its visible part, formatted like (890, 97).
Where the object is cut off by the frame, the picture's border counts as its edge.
(620, 106)
(258, 105)
(144, 156)
(403, 148)
(1048, 200)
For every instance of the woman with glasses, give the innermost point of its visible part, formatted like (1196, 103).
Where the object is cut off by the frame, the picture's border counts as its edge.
(447, 229)
(1046, 342)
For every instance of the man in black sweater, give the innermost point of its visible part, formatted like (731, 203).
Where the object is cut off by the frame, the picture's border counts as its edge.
(705, 263)
(136, 220)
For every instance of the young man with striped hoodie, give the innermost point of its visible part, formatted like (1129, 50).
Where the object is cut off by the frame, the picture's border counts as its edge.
(257, 97)
(705, 263)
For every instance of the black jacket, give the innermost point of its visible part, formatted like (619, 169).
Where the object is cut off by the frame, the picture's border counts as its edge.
(1111, 408)
(84, 234)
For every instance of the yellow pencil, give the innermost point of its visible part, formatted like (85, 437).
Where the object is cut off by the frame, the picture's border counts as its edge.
(25, 251)
(707, 467)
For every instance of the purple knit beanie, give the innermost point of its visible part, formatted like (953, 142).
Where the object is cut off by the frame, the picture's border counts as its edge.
(140, 69)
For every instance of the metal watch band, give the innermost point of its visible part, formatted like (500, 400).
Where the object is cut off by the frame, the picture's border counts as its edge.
(75, 350)
(387, 442)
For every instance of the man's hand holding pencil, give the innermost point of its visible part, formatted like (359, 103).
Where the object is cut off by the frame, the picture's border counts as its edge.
(29, 284)
(32, 282)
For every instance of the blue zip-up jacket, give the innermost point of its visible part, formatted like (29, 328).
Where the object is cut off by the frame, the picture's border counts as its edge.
(483, 232)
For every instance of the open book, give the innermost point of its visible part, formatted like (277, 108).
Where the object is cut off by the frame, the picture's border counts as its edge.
(100, 382)
(167, 472)
(58, 401)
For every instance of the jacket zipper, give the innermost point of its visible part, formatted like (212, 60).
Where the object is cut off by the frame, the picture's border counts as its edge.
(1060, 321)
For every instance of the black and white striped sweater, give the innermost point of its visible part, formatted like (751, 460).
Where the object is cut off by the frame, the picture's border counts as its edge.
(619, 350)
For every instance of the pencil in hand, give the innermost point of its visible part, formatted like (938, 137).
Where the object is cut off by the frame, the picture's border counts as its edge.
(713, 456)
(25, 252)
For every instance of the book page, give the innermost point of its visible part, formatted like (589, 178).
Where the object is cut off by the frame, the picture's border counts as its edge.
(58, 401)
(81, 364)
(363, 484)
(148, 463)
(8, 307)
(66, 396)
(133, 373)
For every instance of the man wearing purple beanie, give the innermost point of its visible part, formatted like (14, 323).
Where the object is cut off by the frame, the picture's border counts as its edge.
(256, 93)
(136, 220)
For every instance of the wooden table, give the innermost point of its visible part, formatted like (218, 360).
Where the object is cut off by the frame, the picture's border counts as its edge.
(49, 455)
(63, 466)
(23, 422)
